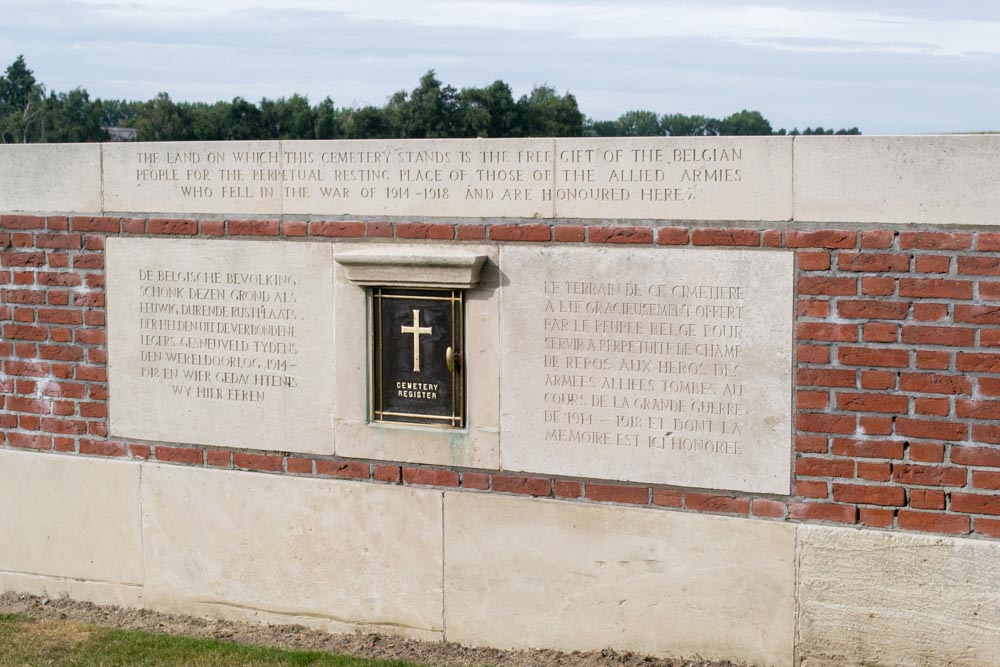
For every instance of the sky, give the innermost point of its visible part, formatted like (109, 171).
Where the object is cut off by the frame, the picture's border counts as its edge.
(903, 67)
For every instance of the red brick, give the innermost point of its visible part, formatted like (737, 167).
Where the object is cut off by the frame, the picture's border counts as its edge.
(826, 286)
(927, 499)
(478, 233)
(178, 454)
(977, 314)
(823, 238)
(261, 462)
(567, 489)
(476, 480)
(989, 433)
(725, 237)
(933, 360)
(811, 444)
(425, 230)
(987, 527)
(935, 240)
(95, 224)
(773, 509)
(811, 400)
(874, 472)
(978, 265)
(872, 263)
(873, 402)
(134, 226)
(813, 260)
(60, 352)
(815, 467)
(977, 409)
(668, 497)
(933, 522)
(346, 469)
(876, 449)
(932, 407)
(875, 517)
(88, 262)
(137, 451)
(102, 448)
(929, 475)
(708, 502)
(520, 232)
(935, 288)
(811, 489)
(813, 308)
(532, 486)
(879, 332)
(22, 222)
(930, 312)
(772, 238)
(878, 380)
(823, 512)
(569, 233)
(293, 229)
(932, 264)
(428, 477)
(299, 466)
(866, 356)
(824, 423)
(982, 479)
(336, 228)
(23, 259)
(930, 430)
(172, 226)
(35, 406)
(825, 377)
(988, 242)
(877, 240)
(989, 291)
(869, 495)
(57, 222)
(93, 242)
(874, 309)
(29, 441)
(988, 386)
(387, 473)
(878, 286)
(672, 236)
(813, 354)
(379, 229)
(932, 383)
(634, 235)
(218, 458)
(975, 503)
(926, 452)
(838, 333)
(977, 362)
(253, 227)
(58, 241)
(616, 493)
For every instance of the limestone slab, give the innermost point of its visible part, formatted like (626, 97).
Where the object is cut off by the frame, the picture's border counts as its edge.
(663, 366)
(931, 179)
(477, 445)
(332, 554)
(441, 177)
(226, 177)
(869, 597)
(690, 178)
(50, 177)
(70, 517)
(226, 343)
(525, 573)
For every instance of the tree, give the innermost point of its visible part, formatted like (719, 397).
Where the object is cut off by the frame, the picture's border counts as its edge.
(545, 113)
(161, 119)
(487, 112)
(21, 104)
(290, 118)
(327, 122)
(745, 123)
(71, 117)
(679, 125)
(639, 124)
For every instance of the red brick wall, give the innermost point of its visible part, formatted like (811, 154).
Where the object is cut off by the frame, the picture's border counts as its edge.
(897, 375)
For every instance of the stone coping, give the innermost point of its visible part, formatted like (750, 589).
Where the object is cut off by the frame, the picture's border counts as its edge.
(409, 267)
(947, 180)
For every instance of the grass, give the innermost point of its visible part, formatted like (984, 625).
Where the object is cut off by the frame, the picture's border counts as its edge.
(26, 642)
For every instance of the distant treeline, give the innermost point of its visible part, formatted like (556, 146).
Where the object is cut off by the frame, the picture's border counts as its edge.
(431, 110)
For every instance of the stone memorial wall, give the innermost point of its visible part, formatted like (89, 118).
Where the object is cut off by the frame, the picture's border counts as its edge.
(743, 377)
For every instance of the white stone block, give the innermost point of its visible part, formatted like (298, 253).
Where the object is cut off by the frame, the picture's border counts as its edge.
(876, 598)
(524, 573)
(663, 366)
(226, 343)
(50, 178)
(335, 555)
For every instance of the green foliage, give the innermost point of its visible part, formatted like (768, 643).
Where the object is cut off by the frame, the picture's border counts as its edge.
(431, 110)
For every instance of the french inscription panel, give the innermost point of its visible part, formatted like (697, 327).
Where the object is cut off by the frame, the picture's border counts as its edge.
(221, 342)
(735, 178)
(661, 366)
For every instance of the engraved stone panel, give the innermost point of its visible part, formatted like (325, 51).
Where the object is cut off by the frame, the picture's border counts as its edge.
(50, 177)
(225, 343)
(229, 177)
(731, 178)
(663, 366)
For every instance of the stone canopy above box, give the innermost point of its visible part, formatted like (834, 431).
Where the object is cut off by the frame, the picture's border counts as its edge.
(404, 266)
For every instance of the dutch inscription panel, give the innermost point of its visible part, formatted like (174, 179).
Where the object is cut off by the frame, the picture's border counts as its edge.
(669, 367)
(222, 343)
(734, 178)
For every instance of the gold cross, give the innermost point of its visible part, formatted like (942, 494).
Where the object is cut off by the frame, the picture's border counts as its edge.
(416, 330)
